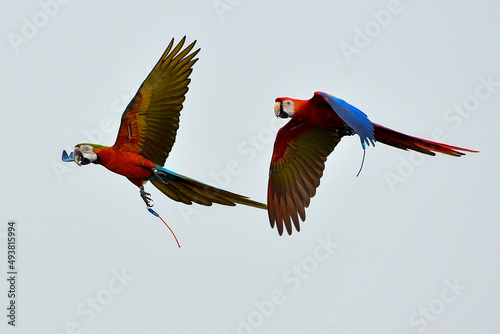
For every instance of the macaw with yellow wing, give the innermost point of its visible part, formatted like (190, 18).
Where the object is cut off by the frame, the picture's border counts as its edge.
(303, 144)
(147, 133)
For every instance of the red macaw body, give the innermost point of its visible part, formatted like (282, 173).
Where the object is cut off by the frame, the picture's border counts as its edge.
(129, 164)
(303, 144)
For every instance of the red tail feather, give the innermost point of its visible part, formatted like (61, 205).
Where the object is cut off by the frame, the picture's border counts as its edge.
(406, 142)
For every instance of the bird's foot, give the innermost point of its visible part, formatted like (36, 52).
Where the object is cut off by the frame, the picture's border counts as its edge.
(146, 197)
(160, 176)
(345, 130)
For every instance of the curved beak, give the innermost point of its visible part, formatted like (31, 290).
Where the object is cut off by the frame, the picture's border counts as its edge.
(278, 110)
(79, 158)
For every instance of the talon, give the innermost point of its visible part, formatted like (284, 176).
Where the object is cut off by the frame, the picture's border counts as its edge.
(345, 130)
(146, 197)
(160, 176)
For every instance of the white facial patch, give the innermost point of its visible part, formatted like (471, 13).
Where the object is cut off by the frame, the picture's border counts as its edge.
(87, 152)
(288, 107)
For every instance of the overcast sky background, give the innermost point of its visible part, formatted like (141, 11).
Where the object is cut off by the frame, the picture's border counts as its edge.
(409, 246)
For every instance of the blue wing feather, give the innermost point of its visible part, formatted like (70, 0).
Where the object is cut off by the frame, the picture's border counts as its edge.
(171, 175)
(353, 117)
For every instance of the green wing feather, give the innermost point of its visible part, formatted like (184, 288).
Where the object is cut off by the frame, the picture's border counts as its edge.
(299, 156)
(187, 190)
(149, 123)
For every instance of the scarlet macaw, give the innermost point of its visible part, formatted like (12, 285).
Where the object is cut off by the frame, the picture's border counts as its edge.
(147, 133)
(303, 144)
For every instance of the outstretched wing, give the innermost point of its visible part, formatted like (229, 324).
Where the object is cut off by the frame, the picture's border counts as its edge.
(352, 116)
(298, 161)
(149, 123)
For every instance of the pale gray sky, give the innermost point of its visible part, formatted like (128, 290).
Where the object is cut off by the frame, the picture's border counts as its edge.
(409, 246)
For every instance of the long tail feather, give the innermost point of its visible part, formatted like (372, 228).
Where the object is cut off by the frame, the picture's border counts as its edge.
(184, 189)
(406, 142)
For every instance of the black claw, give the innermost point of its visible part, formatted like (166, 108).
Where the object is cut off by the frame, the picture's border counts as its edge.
(160, 176)
(345, 130)
(146, 197)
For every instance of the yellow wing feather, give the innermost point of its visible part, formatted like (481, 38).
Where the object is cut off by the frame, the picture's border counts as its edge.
(149, 123)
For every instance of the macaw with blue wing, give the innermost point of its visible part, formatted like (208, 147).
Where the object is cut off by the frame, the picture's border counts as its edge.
(147, 133)
(303, 144)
